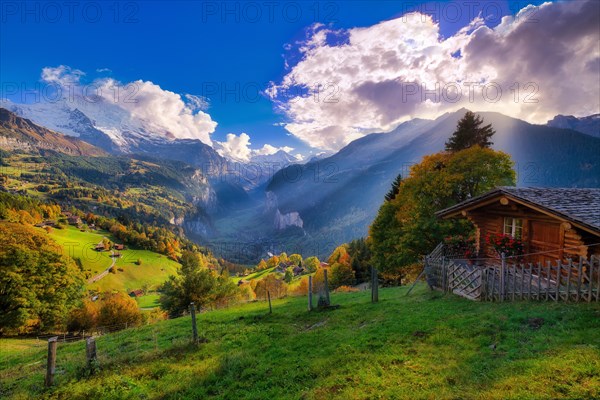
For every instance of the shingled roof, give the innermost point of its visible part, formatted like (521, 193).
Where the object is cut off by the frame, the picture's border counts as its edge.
(579, 205)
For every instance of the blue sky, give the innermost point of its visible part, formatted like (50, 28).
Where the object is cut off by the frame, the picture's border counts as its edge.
(191, 46)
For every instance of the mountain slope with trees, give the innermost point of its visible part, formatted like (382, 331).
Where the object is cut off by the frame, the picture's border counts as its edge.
(338, 197)
(406, 226)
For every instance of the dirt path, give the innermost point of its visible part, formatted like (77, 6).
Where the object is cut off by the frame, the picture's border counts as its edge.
(106, 271)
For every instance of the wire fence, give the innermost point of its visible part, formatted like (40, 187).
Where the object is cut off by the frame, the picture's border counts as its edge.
(23, 361)
(26, 362)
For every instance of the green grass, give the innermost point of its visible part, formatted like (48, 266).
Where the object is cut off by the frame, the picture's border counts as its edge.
(80, 245)
(153, 271)
(149, 300)
(255, 275)
(424, 346)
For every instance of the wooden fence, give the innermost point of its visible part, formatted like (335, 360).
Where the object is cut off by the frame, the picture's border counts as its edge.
(554, 281)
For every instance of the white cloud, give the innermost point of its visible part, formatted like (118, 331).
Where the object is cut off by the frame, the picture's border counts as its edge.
(400, 69)
(62, 75)
(140, 104)
(197, 102)
(237, 148)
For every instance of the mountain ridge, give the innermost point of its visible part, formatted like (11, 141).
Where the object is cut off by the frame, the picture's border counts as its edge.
(589, 125)
(19, 133)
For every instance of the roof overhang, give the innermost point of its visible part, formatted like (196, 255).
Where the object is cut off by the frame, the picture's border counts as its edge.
(461, 210)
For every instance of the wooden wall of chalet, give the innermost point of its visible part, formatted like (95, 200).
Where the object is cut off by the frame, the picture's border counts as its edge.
(557, 234)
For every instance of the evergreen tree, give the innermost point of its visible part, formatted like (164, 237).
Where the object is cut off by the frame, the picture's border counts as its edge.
(469, 133)
(391, 195)
(195, 282)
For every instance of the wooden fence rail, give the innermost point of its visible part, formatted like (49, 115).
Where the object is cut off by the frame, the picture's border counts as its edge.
(555, 281)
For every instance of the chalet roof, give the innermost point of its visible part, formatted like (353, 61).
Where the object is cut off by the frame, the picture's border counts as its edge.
(578, 205)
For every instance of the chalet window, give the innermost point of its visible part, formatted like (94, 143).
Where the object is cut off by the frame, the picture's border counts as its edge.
(513, 227)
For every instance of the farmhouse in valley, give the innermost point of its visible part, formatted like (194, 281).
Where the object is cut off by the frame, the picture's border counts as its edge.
(74, 220)
(136, 293)
(552, 223)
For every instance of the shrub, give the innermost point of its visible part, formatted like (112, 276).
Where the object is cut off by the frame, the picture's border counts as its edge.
(246, 292)
(84, 318)
(117, 309)
(390, 278)
(302, 288)
(411, 272)
(341, 275)
(311, 264)
(346, 289)
(154, 316)
(276, 287)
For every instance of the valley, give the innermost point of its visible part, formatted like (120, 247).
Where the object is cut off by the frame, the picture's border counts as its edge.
(274, 204)
(300, 200)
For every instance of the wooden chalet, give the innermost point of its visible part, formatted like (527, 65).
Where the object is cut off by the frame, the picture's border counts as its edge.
(119, 246)
(136, 293)
(553, 224)
(74, 220)
(560, 233)
(298, 270)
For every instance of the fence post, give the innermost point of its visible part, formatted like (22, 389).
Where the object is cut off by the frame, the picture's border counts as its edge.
(590, 268)
(326, 283)
(579, 278)
(569, 280)
(310, 293)
(444, 275)
(374, 286)
(194, 326)
(558, 279)
(51, 366)
(598, 273)
(90, 352)
(483, 275)
(493, 284)
(503, 277)
(269, 297)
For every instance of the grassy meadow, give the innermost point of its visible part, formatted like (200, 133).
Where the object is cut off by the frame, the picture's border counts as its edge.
(423, 346)
(154, 269)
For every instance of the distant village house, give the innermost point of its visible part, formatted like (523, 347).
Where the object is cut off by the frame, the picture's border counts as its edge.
(74, 220)
(136, 293)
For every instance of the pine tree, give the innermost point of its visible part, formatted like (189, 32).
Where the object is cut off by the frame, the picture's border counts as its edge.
(391, 195)
(470, 133)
